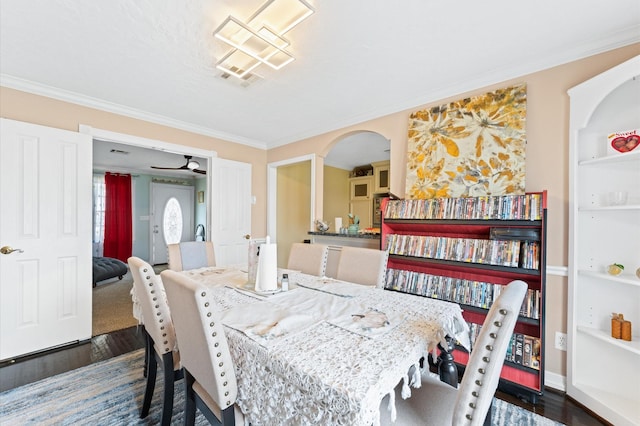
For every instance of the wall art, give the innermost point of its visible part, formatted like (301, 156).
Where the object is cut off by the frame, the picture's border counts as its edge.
(469, 148)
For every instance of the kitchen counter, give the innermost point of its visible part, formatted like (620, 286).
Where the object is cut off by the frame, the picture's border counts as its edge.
(358, 235)
(336, 241)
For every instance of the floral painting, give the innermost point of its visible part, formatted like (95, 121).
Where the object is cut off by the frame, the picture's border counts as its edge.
(468, 148)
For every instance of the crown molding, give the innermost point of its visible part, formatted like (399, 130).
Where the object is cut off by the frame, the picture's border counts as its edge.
(23, 85)
(622, 38)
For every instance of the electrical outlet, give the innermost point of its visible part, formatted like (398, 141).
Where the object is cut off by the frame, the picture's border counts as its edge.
(561, 341)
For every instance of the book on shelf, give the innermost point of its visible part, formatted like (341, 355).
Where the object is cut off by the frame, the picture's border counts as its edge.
(510, 253)
(458, 290)
(497, 207)
(522, 349)
(518, 350)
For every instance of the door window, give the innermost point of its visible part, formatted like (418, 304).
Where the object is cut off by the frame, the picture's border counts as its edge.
(172, 221)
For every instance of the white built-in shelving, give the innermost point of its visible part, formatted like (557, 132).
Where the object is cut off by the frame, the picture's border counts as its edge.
(603, 372)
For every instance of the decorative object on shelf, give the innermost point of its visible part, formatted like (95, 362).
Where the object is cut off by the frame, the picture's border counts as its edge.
(615, 269)
(626, 330)
(617, 198)
(322, 226)
(616, 325)
(471, 147)
(620, 327)
(366, 170)
(622, 142)
(338, 224)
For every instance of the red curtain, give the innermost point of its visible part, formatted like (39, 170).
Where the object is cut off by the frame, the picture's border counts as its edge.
(117, 216)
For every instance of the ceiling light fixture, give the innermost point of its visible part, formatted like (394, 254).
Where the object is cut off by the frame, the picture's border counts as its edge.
(192, 164)
(261, 39)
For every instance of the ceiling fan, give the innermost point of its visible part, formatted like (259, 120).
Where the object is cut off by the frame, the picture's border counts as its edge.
(192, 165)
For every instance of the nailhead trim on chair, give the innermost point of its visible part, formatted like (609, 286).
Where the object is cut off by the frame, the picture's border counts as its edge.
(216, 344)
(486, 359)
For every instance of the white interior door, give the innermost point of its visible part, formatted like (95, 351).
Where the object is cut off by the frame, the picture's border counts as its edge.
(45, 200)
(230, 211)
(171, 218)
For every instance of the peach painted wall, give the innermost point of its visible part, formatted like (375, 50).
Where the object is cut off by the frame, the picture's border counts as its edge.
(546, 166)
(21, 106)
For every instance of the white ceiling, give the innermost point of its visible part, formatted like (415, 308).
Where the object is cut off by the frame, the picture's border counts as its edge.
(122, 158)
(355, 59)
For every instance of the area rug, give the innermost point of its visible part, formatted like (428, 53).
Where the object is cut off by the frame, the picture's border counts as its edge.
(110, 393)
(112, 306)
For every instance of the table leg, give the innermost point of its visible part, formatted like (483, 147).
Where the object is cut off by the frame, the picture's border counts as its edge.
(446, 367)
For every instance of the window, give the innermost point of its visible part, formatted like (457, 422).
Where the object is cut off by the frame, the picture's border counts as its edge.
(172, 221)
(98, 213)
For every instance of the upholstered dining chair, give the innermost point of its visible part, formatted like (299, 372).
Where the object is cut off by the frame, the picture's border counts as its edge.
(438, 403)
(308, 258)
(160, 338)
(210, 380)
(362, 266)
(191, 255)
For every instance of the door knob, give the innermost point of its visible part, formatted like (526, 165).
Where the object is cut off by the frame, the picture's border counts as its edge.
(9, 250)
(247, 237)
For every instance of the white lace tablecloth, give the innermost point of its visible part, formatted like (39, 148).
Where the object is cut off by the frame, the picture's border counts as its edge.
(323, 373)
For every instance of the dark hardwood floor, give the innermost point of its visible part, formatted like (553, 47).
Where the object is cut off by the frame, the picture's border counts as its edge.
(553, 404)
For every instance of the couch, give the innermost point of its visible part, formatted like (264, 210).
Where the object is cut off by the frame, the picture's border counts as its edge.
(105, 268)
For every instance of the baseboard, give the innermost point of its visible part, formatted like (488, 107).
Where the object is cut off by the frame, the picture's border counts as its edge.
(555, 381)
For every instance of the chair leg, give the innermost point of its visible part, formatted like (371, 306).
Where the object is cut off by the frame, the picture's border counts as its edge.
(228, 416)
(152, 368)
(169, 377)
(446, 367)
(189, 400)
(148, 353)
(487, 419)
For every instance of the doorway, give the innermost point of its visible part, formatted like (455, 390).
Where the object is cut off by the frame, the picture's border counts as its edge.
(171, 218)
(278, 200)
(143, 216)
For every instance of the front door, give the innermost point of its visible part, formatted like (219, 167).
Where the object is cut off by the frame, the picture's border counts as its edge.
(171, 218)
(45, 233)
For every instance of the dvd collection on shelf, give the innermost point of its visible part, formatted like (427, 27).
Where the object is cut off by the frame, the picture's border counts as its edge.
(465, 250)
(522, 350)
(497, 207)
(511, 253)
(459, 290)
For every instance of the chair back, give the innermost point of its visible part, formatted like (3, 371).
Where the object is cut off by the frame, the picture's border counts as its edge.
(308, 258)
(191, 255)
(156, 316)
(204, 351)
(362, 266)
(482, 373)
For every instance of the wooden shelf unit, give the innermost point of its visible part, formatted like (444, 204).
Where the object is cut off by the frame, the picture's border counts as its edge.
(414, 268)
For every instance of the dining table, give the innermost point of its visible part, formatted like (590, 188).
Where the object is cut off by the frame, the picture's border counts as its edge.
(325, 351)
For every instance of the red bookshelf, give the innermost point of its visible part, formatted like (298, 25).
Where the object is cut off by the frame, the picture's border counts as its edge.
(464, 250)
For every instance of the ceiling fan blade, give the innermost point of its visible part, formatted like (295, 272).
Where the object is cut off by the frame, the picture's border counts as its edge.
(168, 168)
(183, 167)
